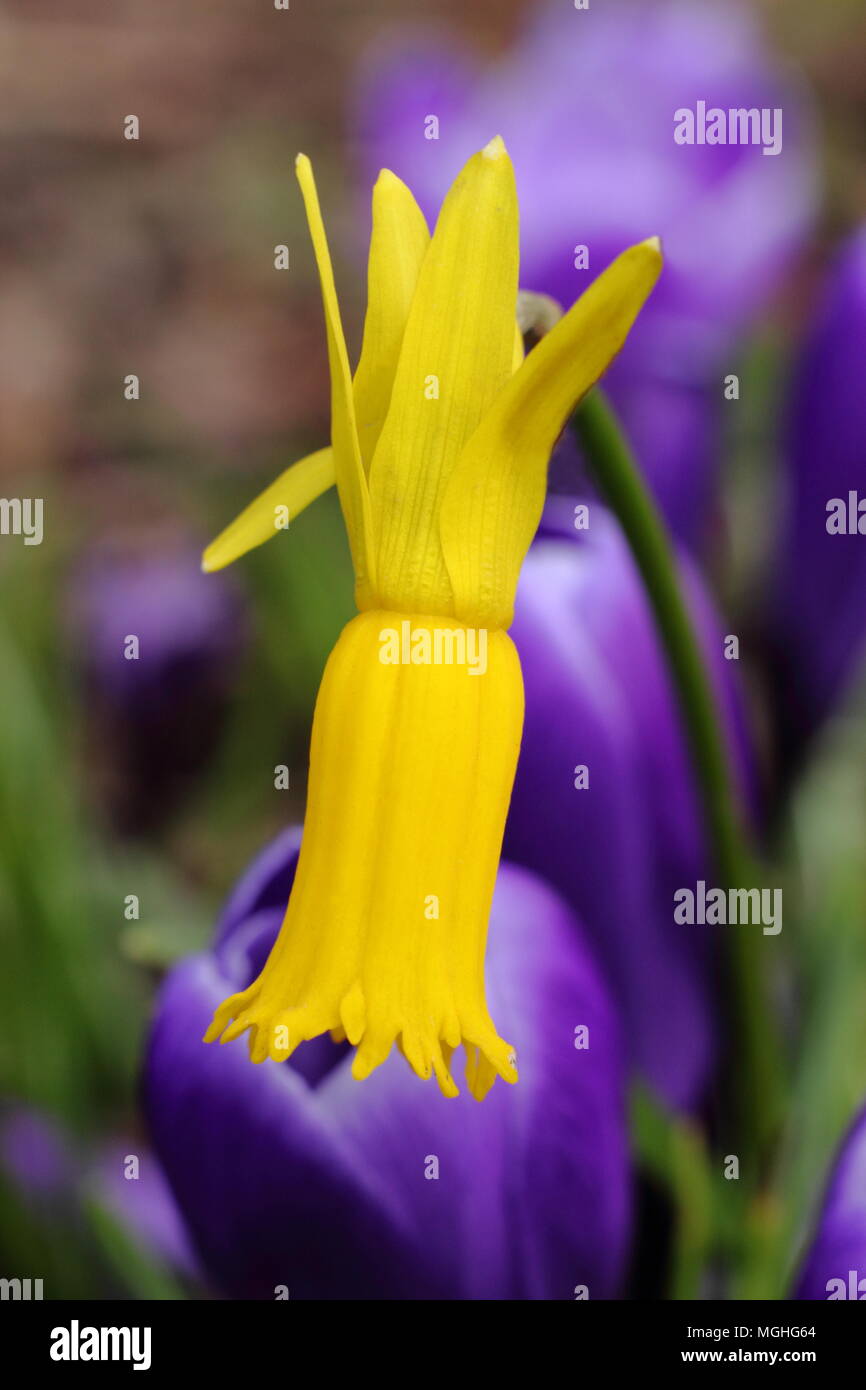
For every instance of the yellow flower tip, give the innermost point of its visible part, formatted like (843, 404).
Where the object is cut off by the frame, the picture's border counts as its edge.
(384, 935)
(302, 162)
(495, 148)
(209, 562)
(388, 179)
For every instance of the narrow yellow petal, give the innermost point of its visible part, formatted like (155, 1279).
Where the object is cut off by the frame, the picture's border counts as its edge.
(457, 354)
(351, 479)
(273, 509)
(518, 353)
(398, 243)
(493, 503)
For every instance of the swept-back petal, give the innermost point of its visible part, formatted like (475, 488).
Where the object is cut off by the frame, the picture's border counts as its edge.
(493, 501)
(351, 479)
(457, 355)
(287, 495)
(397, 246)
(398, 243)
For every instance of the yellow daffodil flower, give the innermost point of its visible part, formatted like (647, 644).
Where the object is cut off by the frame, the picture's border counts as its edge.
(439, 450)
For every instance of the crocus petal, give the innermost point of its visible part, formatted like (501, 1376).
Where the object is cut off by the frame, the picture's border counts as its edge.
(838, 1249)
(351, 479)
(397, 247)
(143, 1204)
(155, 722)
(329, 1188)
(599, 696)
(532, 1193)
(287, 496)
(817, 618)
(459, 344)
(495, 497)
(265, 884)
(271, 1193)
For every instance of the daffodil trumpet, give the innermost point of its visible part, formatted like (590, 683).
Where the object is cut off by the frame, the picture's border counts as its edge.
(439, 451)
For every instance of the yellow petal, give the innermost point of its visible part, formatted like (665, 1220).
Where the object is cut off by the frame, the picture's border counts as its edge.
(385, 932)
(457, 354)
(351, 479)
(397, 246)
(493, 502)
(398, 243)
(269, 513)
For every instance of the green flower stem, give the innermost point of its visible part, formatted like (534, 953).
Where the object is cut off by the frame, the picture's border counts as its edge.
(672, 1151)
(756, 1057)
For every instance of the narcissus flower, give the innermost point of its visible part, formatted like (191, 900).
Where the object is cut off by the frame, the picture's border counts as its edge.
(439, 450)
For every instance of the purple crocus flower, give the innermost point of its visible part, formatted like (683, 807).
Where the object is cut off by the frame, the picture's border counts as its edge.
(158, 641)
(586, 102)
(293, 1176)
(599, 698)
(835, 1265)
(818, 619)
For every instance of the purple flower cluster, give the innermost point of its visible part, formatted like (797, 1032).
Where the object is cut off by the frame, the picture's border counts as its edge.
(586, 104)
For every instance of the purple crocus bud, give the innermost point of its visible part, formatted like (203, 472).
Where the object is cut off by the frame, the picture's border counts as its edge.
(297, 1182)
(817, 624)
(835, 1265)
(605, 804)
(588, 104)
(158, 643)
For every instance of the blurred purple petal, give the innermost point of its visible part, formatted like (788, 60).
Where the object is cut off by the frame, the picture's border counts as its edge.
(36, 1154)
(153, 719)
(598, 695)
(585, 103)
(839, 1245)
(818, 619)
(143, 1204)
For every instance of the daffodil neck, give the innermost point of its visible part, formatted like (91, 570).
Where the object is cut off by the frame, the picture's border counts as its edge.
(407, 639)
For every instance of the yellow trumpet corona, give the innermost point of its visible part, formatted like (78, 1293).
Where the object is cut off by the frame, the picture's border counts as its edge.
(439, 450)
